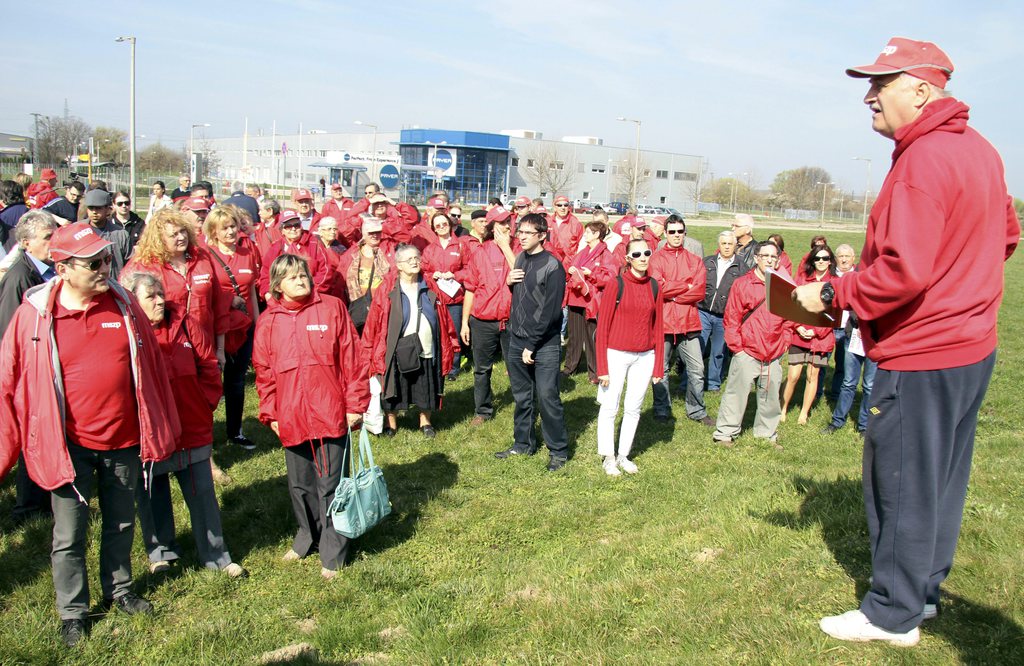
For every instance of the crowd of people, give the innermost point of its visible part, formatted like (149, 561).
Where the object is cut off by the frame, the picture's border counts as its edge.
(121, 334)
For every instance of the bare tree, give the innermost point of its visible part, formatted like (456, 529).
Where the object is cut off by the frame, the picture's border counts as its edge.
(160, 158)
(111, 144)
(549, 169)
(60, 138)
(211, 159)
(634, 188)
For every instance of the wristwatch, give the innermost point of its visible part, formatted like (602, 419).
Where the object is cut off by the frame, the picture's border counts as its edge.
(828, 293)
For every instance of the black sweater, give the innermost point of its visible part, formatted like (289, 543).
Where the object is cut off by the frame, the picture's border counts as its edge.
(536, 314)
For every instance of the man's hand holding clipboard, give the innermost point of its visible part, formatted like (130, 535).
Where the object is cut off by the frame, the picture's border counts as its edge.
(803, 304)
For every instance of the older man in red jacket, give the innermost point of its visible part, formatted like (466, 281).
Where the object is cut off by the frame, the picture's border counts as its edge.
(84, 392)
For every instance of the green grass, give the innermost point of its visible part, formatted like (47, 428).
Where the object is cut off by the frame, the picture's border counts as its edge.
(706, 556)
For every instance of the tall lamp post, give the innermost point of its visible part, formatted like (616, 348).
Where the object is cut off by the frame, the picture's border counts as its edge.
(373, 161)
(131, 111)
(636, 156)
(192, 145)
(824, 191)
(867, 187)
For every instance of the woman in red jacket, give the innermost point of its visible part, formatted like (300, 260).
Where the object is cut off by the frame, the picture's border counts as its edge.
(587, 274)
(295, 240)
(409, 305)
(810, 345)
(311, 376)
(446, 259)
(630, 354)
(196, 387)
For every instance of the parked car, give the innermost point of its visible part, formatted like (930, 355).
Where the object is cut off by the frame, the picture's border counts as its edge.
(647, 209)
(583, 206)
(615, 208)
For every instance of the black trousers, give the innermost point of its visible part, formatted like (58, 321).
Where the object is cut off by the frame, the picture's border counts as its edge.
(917, 461)
(235, 368)
(487, 339)
(535, 388)
(314, 470)
(30, 499)
(582, 337)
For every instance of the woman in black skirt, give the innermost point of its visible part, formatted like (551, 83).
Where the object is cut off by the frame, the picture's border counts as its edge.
(410, 341)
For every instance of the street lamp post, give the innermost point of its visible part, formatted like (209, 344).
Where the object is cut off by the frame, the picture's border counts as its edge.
(824, 191)
(373, 161)
(636, 156)
(192, 146)
(867, 187)
(131, 111)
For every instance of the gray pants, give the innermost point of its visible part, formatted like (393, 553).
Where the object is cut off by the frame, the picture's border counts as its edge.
(118, 472)
(688, 349)
(314, 471)
(156, 512)
(743, 371)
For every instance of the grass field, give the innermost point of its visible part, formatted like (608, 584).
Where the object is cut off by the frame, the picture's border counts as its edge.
(706, 556)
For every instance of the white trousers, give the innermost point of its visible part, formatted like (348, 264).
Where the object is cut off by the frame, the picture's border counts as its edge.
(632, 370)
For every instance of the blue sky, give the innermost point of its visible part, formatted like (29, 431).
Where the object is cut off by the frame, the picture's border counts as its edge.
(754, 87)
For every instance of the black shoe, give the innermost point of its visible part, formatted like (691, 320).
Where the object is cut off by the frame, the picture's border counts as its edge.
(509, 453)
(861, 432)
(452, 376)
(707, 420)
(662, 418)
(388, 432)
(72, 631)
(829, 429)
(428, 431)
(130, 604)
(555, 464)
(243, 442)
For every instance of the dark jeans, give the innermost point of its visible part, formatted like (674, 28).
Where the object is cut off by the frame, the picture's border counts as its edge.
(314, 470)
(839, 374)
(844, 402)
(537, 384)
(29, 500)
(114, 475)
(487, 338)
(455, 312)
(712, 327)
(235, 369)
(917, 461)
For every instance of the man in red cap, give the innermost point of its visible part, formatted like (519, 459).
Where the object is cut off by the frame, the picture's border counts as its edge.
(84, 394)
(927, 294)
(338, 205)
(565, 230)
(196, 209)
(308, 217)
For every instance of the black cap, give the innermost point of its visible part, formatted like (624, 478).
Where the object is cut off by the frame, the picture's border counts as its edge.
(477, 214)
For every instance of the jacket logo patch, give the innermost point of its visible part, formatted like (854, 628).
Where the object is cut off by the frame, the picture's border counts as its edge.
(316, 327)
(875, 410)
(201, 278)
(889, 50)
(244, 271)
(110, 324)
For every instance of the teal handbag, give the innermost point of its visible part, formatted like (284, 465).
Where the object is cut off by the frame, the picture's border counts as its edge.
(361, 500)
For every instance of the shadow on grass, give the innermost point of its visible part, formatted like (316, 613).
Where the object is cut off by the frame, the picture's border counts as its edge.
(411, 486)
(982, 634)
(256, 515)
(20, 566)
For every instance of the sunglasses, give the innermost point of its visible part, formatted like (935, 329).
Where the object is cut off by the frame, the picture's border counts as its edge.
(122, 203)
(637, 255)
(822, 258)
(95, 264)
(561, 205)
(674, 232)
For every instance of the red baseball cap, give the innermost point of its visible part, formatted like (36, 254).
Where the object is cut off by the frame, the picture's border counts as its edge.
(437, 203)
(541, 210)
(289, 217)
(923, 60)
(76, 240)
(196, 203)
(523, 201)
(561, 199)
(48, 174)
(335, 186)
(301, 194)
(498, 214)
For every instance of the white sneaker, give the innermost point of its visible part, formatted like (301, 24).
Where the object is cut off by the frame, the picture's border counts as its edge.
(626, 465)
(609, 466)
(235, 570)
(855, 626)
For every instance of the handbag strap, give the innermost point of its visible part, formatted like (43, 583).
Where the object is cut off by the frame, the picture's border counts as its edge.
(231, 276)
(365, 449)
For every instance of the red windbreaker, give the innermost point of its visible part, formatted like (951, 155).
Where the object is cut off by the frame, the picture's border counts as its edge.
(398, 226)
(452, 259)
(763, 336)
(584, 291)
(485, 277)
(682, 278)
(308, 246)
(310, 369)
(32, 398)
(564, 238)
(824, 339)
(265, 236)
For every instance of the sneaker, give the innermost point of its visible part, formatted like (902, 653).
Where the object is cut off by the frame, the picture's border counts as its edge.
(243, 442)
(855, 626)
(510, 453)
(159, 567)
(610, 468)
(234, 570)
(627, 465)
(453, 375)
(428, 431)
(72, 631)
(829, 429)
(706, 421)
(328, 574)
(130, 604)
(555, 464)
(291, 556)
(727, 442)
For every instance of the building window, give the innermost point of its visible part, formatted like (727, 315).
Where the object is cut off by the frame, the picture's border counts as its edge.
(586, 195)
(581, 167)
(543, 195)
(513, 191)
(529, 163)
(597, 168)
(662, 200)
(515, 161)
(686, 176)
(662, 174)
(615, 169)
(556, 166)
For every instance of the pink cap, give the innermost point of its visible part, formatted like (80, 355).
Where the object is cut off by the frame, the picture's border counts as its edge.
(921, 59)
(302, 194)
(76, 240)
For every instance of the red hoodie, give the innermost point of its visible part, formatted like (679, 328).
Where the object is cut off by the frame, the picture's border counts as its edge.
(763, 336)
(485, 277)
(682, 277)
(584, 291)
(636, 324)
(309, 247)
(931, 271)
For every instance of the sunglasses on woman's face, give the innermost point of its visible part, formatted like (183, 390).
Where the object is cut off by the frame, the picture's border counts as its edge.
(642, 253)
(822, 258)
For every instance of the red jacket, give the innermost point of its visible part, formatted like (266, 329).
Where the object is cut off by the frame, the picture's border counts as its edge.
(265, 236)
(379, 347)
(585, 290)
(824, 339)
(310, 369)
(636, 324)
(930, 279)
(31, 390)
(564, 238)
(682, 278)
(308, 246)
(195, 380)
(485, 277)
(39, 194)
(763, 336)
(206, 304)
(398, 224)
(452, 259)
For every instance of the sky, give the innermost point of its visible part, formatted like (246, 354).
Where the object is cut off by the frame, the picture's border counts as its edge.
(755, 88)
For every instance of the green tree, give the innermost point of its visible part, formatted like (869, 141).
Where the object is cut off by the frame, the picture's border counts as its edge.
(61, 138)
(111, 145)
(158, 157)
(798, 188)
(731, 191)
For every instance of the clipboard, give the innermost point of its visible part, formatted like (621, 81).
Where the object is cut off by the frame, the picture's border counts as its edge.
(779, 299)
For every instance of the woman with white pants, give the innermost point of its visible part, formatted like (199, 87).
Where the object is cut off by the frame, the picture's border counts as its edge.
(630, 355)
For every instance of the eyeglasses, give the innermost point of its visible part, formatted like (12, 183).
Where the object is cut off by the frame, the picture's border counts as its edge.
(637, 255)
(523, 207)
(674, 232)
(95, 264)
(410, 260)
(442, 223)
(527, 232)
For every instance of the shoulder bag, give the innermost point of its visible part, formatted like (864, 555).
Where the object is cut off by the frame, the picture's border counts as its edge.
(361, 500)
